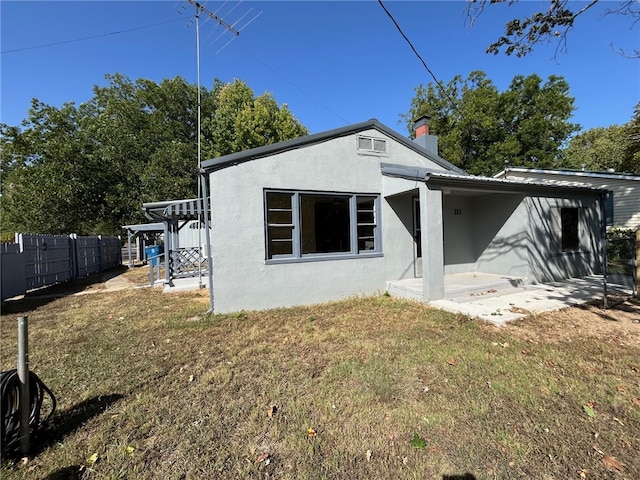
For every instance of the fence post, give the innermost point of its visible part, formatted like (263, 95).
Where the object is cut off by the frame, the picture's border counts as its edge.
(73, 253)
(23, 377)
(101, 249)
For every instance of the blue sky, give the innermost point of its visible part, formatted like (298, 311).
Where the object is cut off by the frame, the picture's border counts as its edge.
(332, 62)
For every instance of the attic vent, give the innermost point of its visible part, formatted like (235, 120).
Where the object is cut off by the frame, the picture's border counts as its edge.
(372, 145)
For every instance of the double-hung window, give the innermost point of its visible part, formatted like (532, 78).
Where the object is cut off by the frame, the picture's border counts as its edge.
(319, 225)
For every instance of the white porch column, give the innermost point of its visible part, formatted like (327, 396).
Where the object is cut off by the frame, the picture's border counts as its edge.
(432, 243)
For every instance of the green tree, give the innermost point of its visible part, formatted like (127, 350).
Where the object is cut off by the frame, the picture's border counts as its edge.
(596, 149)
(87, 169)
(522, 34)
(631, 153)
(481, 129)
(242, 121)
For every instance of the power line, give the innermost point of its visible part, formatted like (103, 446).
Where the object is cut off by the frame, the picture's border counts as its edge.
(300, 89)
(118, 32)
(419, 57)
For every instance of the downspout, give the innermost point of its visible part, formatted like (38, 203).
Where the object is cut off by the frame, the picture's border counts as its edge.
(207, 229)
(129, 263)
(603, 242)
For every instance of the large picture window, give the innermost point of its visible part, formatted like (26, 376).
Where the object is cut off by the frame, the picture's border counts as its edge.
(318, 225)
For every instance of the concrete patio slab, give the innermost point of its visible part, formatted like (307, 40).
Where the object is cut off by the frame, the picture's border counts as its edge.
(500, 299)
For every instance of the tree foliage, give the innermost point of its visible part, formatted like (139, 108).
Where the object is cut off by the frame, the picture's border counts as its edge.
(595, 149)
(480, 129)
(602, 148)
(87, 169)
(521, 35)
(631, 153)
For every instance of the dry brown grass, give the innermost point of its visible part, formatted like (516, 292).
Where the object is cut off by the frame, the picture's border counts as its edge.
(150, 387)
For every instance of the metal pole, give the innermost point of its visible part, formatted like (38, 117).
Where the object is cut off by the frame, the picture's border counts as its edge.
(199, 147)
(603, 214)
(636, 283)
(207, 228)
(23, 377)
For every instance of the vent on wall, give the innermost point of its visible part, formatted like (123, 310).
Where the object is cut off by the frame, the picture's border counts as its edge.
(372, 145)
(457, 211)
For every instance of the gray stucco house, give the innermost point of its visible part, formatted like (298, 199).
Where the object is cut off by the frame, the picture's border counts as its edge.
(343, 212)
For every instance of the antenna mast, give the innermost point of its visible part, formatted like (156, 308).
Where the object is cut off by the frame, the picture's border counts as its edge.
(227, 28)
(200, 8)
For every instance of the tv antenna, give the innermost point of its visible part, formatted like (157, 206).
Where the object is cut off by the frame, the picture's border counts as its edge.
(226, 28)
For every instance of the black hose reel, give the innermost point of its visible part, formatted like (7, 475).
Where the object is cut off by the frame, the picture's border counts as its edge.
(10, 390)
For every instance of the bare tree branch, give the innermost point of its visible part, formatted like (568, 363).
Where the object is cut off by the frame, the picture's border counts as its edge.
(521, 35)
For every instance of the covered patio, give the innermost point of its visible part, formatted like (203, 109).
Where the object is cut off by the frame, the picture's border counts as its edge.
(174, 215)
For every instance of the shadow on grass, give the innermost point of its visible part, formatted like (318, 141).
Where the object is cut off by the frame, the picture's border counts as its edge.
(74, 472)
(35, 299)
(623, 304)
(70, 420)
(464, 476)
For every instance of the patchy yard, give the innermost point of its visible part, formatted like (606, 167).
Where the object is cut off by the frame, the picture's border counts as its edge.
(149, 387)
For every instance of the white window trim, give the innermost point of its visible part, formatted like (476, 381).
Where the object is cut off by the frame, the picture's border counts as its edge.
(372, 151)
(297, 256)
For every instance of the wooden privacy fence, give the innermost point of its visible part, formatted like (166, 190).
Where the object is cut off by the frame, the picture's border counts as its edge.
(36, 261)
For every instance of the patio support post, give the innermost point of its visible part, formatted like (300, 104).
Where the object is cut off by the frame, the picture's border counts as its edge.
(637, 263)
(432, 243)
(603, 240)
(167, 248)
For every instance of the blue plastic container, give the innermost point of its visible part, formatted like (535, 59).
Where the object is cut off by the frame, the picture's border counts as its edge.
(152, 252)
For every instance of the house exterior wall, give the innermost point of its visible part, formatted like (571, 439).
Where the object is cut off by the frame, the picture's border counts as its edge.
(398, 242)
(626, 191)
(459, 252)
(547, 260)
(486, 233)
(500, 223)
(242, 279)
(518, 235)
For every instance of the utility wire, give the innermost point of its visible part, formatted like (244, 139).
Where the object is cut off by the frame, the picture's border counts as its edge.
(300, 89)
(89, 38)
(438, 82)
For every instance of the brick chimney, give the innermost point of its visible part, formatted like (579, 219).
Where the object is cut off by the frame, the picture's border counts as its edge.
(422, 135)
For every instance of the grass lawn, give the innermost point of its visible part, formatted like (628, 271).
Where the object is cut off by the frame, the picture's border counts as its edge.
(149, 387)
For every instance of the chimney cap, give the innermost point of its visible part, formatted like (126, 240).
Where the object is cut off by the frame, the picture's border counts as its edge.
(422, 120)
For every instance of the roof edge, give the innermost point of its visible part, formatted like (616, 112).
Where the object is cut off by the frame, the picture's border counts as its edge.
(575, 173)
(219, 163)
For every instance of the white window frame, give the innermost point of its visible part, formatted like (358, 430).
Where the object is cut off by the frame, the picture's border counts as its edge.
(354, 252)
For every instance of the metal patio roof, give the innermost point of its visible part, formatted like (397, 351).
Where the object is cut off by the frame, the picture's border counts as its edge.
(189, 209)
